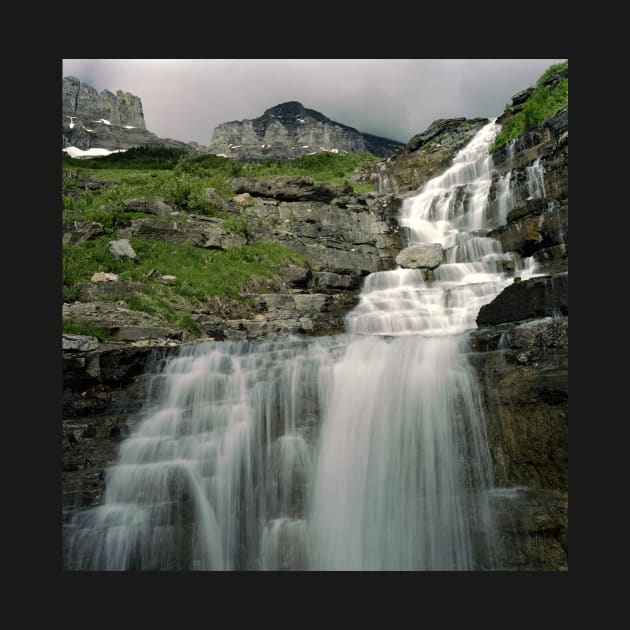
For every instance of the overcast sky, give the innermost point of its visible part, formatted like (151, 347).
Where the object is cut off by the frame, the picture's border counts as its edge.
(186, 99)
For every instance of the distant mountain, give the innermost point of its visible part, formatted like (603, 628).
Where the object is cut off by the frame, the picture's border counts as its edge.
(102, 123)
(290, 130)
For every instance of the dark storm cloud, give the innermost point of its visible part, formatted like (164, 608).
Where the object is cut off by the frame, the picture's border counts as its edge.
(187, 99)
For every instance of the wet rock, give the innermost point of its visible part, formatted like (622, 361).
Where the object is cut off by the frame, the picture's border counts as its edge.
(537, 297)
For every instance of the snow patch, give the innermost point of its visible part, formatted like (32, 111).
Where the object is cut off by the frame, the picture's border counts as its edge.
(305, 146)
(94, 152)
(71, 121)
(102, 120)
(128, 127)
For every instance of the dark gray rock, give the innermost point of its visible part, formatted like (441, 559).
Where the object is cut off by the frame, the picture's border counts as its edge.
(76, 232)
(195, 230)
(285, 188)
(521, 97)
(447, 132)
(537, 297)
(523, 382)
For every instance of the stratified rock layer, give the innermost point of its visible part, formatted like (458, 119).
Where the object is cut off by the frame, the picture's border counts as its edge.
(105, 120)
(290, 130)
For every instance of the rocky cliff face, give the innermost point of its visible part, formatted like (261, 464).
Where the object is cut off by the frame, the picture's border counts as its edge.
(425, 156)
(521, 348)
(289, 130)
(105, 120)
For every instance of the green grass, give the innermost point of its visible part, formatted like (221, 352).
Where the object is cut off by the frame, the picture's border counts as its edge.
(180, 181)
(552, 72)
(72, 328)
(542, 104)
(200, 273)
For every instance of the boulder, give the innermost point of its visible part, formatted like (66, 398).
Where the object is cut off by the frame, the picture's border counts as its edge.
(102, 276)
(148, 206)
(243, 198)
(75, 232)
(422, 256)
(534, 298)
(122, 249)
(215, 200)
(78, 343)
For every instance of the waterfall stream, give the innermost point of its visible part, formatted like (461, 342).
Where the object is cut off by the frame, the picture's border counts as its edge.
(364, 451)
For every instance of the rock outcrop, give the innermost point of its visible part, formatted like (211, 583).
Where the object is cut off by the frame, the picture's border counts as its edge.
(538, 297)
(105, 120)
(342, 235)
(425, 156)
(536, 164)
(290, 130)
(523, 376)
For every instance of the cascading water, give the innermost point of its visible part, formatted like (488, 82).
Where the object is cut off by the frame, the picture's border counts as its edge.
(364, 451)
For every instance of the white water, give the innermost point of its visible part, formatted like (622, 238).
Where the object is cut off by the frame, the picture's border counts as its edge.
(360, 452)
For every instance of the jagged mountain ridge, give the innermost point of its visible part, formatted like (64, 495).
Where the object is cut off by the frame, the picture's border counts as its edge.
(105, 120)
(290, 130)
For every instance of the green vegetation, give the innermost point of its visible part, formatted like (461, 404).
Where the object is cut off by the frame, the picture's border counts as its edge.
(72, 328)
(541, 105)
(98, 189)
(136, 158)
(199, 273)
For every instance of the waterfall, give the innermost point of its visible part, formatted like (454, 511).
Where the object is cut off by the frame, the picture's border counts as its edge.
(364, 451)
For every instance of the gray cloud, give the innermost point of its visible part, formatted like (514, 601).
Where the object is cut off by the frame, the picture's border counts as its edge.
(186, 99)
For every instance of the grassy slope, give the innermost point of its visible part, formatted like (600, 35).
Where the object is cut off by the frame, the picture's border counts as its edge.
(542, 104)
(179, 179)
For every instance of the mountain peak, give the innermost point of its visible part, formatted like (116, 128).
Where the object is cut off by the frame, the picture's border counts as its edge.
(289, 130)
(290, 108)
